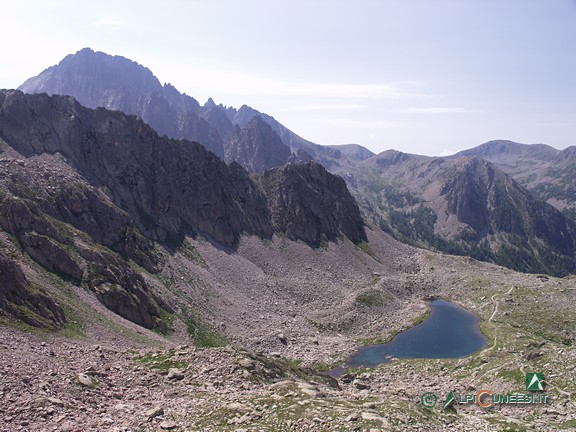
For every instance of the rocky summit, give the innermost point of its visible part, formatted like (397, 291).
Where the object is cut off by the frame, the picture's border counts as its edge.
(96, 79)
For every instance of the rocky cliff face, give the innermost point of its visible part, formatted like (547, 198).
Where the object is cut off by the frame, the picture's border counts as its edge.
(489, 202)
(310, 204)
(71, 229)
(97, 79)
(257, 147)
(544, 170)
(84, 192)
(19, 300)
(168, 187)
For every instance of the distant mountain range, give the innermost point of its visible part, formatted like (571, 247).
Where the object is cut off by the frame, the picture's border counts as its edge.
(97, 79)
(488, 202)
(547, 172)
(464, 206)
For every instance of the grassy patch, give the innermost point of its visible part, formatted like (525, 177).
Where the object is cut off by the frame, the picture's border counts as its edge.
(161, 361)
(514, 375)
(569, 424)
(371, 299)
(365, 247)
(164, 325)
(186, 249)
(509, 427)
(202, 334)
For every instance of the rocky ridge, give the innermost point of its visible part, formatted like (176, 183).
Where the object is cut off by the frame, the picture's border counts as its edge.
(256, 147)
(168, 187)
(91, 194)
(97, 79)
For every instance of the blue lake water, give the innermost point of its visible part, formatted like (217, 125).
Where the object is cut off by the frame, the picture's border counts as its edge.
(450, 331)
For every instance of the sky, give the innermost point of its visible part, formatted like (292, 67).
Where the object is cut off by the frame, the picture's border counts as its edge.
(421, 76)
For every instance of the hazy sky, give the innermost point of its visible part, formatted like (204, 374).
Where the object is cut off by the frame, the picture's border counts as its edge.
(421, 76)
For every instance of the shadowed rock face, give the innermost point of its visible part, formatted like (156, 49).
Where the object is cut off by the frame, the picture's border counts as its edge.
(20, 301)
(40, 205)
(489, 201)
(545, 171)
(84, 191)
(308, 203)
(169, 187)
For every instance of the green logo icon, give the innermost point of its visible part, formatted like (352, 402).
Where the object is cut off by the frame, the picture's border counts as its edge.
(428, 399)
(449, 400)
(535, 381)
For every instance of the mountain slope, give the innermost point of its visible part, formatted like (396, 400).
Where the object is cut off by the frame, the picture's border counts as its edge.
(465, 206)
(169, 187)
(545, 171)
(96, 196)
(256, 146)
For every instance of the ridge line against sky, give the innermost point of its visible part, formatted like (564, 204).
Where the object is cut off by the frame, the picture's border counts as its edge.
(420, 76)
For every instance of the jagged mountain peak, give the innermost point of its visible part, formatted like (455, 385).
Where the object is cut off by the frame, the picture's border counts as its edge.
(210, 104)
(98, 79)
(300, 193)
(87, 73)
(257, 146)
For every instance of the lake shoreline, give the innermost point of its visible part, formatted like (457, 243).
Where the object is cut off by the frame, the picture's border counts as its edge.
(439, 338)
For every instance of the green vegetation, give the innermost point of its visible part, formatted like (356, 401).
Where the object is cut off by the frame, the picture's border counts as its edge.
(391, 193)
(161, 361)
(165, 323)
(569, 424)
(372, 299)
(202, 334)
(515, 375)
(365, 247)
(190, 252)
(406, 218)
(508, 426)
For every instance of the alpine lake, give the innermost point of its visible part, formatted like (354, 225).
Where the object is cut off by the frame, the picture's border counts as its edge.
(449, 331)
